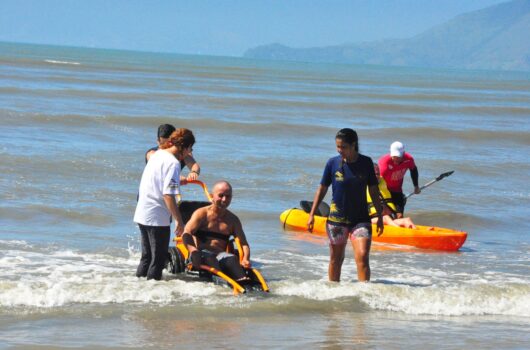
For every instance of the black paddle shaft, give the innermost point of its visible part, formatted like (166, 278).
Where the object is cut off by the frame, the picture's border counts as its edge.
(441, 176)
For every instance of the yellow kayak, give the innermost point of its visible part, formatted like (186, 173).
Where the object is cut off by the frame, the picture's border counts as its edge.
(424, 237)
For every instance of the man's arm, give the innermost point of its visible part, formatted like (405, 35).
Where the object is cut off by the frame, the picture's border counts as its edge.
(191, 228)
(414, 174)
(238, 232)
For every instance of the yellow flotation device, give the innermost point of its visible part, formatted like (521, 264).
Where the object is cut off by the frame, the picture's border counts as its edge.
(385, 196)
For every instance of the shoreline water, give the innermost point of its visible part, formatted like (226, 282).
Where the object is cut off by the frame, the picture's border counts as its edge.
(73, 138)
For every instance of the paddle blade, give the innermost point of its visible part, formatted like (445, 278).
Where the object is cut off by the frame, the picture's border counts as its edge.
(444, 175)
(306, 206)
(322, 210)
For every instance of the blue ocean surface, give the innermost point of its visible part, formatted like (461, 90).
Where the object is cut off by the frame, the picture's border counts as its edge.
(75, 124)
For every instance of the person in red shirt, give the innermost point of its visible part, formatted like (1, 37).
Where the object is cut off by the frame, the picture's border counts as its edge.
(393, 167)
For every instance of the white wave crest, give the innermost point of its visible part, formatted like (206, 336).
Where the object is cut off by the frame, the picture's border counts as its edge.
(62, 62)
(464, 299)
(512, 299)
(44, 279)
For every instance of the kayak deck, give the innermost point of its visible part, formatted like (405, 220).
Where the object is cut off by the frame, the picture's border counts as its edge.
(424, 237)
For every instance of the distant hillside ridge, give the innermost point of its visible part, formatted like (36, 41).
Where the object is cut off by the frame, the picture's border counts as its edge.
(497, 37)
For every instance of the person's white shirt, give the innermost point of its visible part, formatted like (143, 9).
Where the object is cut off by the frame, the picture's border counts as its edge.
(161, 176)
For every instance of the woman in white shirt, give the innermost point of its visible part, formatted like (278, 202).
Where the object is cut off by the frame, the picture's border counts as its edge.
(156, 202)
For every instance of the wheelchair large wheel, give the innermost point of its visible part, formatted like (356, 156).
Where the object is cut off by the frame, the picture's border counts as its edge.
(176, 263)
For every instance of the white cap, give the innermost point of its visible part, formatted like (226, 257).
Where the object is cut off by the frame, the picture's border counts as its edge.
(397, 149)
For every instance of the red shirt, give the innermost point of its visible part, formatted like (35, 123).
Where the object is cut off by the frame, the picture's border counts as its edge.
(393, 173)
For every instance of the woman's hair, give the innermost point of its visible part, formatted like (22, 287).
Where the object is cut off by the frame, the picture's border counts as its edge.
(165, 130)
(181, 138)
(349, 136)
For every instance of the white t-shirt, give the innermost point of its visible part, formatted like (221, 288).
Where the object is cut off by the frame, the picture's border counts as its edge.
(161, 176)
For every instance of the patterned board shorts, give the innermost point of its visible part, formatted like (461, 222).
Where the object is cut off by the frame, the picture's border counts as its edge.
(339, 234)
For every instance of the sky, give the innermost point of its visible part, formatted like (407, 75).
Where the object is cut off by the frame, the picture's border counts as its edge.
(225, 28)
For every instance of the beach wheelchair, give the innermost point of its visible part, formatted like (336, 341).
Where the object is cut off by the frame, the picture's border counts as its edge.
(178, 255)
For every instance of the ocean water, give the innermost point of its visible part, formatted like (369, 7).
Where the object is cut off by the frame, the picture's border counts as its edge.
(74, 127)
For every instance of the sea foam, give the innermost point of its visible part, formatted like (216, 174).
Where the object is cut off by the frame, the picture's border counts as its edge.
(43, 279)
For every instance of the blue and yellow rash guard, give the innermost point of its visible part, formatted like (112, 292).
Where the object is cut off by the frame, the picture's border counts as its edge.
(348, 182)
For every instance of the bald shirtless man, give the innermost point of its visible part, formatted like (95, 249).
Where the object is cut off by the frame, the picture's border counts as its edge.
(207, 234)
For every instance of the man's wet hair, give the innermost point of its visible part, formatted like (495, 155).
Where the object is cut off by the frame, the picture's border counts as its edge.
(165, 130)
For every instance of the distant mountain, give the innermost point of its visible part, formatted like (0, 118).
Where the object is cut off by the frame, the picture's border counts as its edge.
(497, 37)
